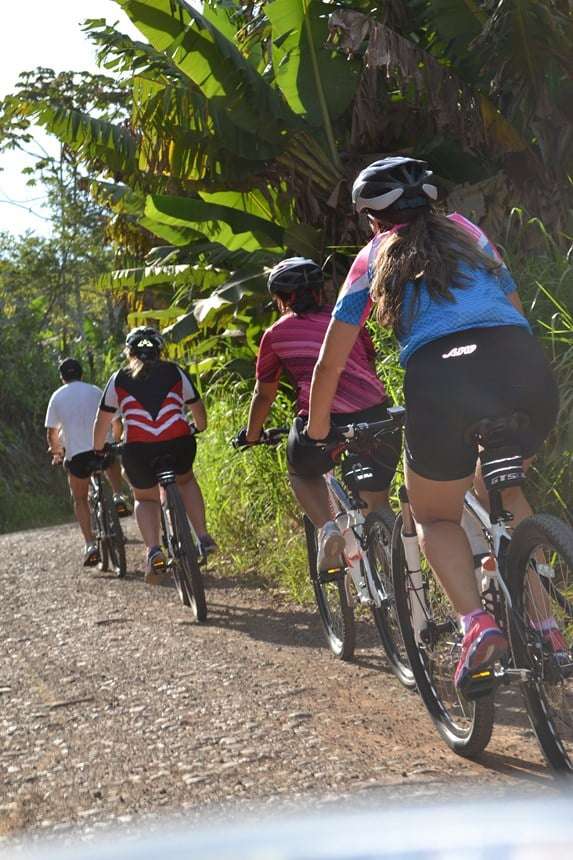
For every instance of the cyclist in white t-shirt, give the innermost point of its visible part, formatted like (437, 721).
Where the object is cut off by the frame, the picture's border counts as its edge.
(69, 422)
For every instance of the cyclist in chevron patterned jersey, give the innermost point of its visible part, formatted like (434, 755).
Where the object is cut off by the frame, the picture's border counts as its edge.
(151, 396)
(291, 346)
(468, 353)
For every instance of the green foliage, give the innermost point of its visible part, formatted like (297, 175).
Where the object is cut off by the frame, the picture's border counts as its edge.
(251, 509)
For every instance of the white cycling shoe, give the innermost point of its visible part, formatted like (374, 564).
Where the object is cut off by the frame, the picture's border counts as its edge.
(330, 547)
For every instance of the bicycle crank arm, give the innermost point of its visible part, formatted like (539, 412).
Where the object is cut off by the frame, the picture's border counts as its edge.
(508, 676)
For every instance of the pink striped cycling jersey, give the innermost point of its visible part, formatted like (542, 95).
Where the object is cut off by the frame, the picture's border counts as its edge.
(292, 345)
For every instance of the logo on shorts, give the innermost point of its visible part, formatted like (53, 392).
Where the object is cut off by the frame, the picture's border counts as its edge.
(457, 351)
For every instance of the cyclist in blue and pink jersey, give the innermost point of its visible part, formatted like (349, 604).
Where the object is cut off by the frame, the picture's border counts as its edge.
(291, 346)
(469, 354)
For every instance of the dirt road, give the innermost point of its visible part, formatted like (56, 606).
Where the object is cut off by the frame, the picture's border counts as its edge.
(113, 704)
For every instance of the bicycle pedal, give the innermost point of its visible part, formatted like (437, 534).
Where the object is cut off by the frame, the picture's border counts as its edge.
(334, 575)
(479, 684)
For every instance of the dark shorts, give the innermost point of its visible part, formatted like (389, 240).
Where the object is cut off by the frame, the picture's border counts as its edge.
(456, 381)
(376, 471)
(80, 465)
(139, 458)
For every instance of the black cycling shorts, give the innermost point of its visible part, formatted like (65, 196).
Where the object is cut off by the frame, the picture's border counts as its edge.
(81, 465)
(453, 383)
(139, 459)
(308, 461)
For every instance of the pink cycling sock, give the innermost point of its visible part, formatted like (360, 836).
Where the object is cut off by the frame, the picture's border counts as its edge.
(468, 620)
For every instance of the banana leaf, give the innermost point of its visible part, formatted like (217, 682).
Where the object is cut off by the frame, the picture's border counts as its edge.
(234, 229)
(213, 63)
(317, 80)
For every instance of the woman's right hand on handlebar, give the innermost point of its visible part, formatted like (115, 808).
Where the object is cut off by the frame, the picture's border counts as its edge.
(241, 441)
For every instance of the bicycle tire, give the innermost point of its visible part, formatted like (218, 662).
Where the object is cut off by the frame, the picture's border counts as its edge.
(548, 682)
(188, 577)
(115, 540)
(379, 528)
(98, 529)
(471, 738)
(340, 633)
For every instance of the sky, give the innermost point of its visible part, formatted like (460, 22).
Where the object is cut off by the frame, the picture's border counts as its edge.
(40, 33)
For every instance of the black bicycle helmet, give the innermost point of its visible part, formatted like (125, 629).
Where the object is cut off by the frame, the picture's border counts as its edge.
(144, 342)
(397, 183)
(296, 274)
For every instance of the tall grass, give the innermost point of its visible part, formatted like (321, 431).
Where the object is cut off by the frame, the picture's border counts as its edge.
(251, 510)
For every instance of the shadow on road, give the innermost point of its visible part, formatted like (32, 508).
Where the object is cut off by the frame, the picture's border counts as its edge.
(520, 769)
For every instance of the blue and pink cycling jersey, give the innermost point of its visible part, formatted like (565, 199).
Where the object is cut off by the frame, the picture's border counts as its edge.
(481, 303)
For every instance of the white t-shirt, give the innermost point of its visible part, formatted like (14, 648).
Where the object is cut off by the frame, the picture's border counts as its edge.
(72, 410)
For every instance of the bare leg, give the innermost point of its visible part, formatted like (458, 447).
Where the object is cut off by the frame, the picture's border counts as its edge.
(147, 514)
(193, 501)
(79, 490)
(312, 496)
(437, 509)
(114, 477)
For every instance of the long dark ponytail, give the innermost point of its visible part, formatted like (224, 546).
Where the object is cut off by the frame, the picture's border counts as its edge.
(429, 249)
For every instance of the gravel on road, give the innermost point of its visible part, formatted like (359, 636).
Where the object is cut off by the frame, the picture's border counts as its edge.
(115, 704)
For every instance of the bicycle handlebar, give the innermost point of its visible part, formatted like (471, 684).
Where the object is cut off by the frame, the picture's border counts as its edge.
(353, 432)
(272, 437)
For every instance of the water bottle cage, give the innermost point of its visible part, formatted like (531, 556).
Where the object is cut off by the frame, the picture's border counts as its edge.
(501, 468)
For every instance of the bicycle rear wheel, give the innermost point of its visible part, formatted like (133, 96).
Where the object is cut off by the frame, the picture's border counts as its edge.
(434, 651)
(332, 599)
(539, 593)
(379, 527)
(114, 538)
(97, 519)
(188, 576)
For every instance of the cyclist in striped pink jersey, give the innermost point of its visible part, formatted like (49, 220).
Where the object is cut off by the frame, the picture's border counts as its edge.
(292, 346)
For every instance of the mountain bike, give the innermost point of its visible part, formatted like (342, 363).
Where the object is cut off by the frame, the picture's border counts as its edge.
(179, 540)
(366, 578)
(105, 521)
(181, 543)
(525, 578)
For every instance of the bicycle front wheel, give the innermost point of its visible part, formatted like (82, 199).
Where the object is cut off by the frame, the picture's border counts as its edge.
(433, 644)
(540, 579)
(379, 527)
(332, 598)
(188, 576)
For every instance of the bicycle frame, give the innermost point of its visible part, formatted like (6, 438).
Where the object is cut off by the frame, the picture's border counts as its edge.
(351, 518)
(498, 536)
